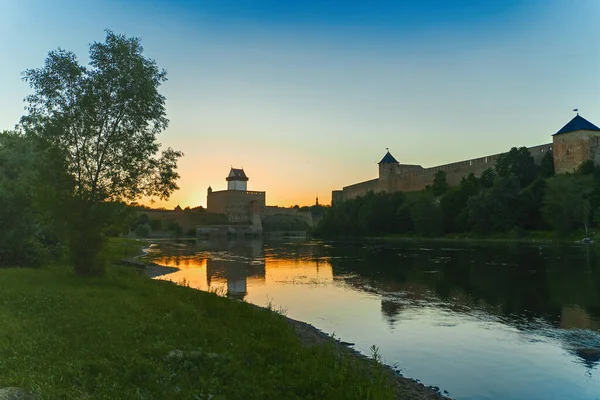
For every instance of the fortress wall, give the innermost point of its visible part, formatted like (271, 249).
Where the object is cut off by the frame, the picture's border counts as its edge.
(360, 189)
(538, 152)
(281, 215)
(234, 203)
(418, 180)
(410, 178)
(186, 219)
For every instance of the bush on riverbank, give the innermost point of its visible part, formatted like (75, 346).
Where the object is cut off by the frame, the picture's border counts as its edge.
(64, 336)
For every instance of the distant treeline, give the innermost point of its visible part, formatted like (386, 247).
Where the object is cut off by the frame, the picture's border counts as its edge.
(515, 196)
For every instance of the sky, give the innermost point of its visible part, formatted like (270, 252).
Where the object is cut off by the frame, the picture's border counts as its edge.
(307, 95)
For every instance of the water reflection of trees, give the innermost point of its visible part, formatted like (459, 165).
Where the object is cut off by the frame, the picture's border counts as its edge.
(517, 283)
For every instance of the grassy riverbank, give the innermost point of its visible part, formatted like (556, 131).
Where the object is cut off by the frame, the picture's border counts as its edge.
(64, 336)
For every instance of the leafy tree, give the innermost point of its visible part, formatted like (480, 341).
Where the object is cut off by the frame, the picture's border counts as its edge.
(547, 165)
(440, 184)
(487, 178)
(104, 119)
(426, 214)
(566, 204)
(494, 209)
(28, 233)
(155, 224)
(529, 206)
(174, 227)
(517, 162)
(451, 204)
(479, 209)
(586, 168)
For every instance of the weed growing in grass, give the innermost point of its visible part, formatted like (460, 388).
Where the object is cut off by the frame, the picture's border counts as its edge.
(218, 290)
(184, 282)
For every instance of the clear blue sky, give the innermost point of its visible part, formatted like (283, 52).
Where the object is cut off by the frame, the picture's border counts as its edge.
(307, 95)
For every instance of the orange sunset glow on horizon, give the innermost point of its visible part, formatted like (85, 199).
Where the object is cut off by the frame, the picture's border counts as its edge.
(307, 102)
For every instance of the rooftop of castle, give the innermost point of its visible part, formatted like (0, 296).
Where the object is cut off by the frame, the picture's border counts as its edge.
(237, 175)
(388, 159)
(578, 123)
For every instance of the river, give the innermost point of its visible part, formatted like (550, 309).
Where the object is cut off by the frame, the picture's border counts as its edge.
(479, 321)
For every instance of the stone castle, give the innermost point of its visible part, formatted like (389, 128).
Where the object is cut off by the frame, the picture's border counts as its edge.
(576, 142)
(246, 207)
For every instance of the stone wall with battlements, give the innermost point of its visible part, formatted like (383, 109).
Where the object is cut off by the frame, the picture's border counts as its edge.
(410, 178)
(359, 189)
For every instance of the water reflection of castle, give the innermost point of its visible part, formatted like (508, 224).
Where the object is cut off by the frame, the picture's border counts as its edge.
(235, 263)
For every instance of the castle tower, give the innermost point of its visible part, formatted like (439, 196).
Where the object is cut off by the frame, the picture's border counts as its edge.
(574, 143)
(387, 168)
(237, 180)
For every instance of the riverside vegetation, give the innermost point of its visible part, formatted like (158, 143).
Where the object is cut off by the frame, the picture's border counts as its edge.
(515, 199)
(123, 335)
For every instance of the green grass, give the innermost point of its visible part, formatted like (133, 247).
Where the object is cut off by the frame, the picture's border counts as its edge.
(65, 336)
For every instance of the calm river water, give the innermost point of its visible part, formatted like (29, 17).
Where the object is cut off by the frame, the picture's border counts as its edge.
(480, 321)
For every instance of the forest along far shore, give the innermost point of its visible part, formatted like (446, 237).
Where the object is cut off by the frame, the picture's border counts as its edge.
(516, 199)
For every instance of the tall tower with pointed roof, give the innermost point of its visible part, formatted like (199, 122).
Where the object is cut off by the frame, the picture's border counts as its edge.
(574, 143)
(387, 169)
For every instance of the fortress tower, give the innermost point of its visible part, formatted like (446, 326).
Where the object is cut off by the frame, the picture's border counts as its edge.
(574, 143)
(237, 180)
(387, 169)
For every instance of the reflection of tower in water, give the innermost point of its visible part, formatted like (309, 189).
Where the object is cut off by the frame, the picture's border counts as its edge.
(242, 260)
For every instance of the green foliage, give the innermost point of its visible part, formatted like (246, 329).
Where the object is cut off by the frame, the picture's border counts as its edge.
(426, 214)
(547, 166)
(142, 231)
(566, 204)
(155, 224)
(529, 206)
(174, 227)
(586, 168)
(518, 162)
(494, 209)
(103, 119)
(440, 184)
(373, 214)
(29, 234)
(487, 178)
